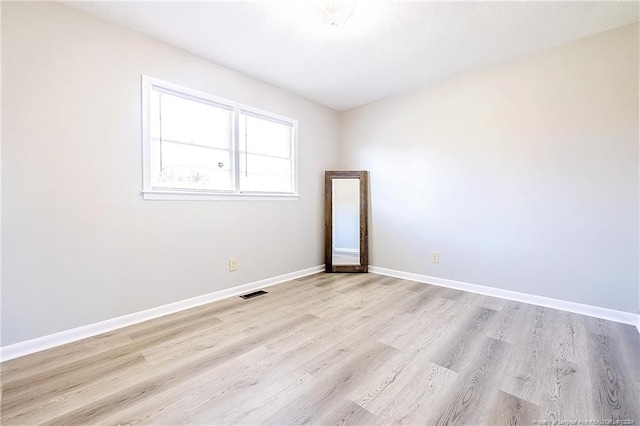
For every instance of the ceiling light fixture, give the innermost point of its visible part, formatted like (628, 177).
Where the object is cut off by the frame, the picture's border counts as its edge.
(333, 12)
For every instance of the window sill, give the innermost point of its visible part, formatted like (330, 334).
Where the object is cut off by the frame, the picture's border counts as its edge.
(209, 196)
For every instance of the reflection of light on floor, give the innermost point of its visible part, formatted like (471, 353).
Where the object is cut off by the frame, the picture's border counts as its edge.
(346, 258)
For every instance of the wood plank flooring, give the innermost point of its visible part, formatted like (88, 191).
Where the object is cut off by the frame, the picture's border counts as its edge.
(339, 349)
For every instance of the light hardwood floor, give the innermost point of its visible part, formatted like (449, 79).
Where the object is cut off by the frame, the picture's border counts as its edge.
(338, 349)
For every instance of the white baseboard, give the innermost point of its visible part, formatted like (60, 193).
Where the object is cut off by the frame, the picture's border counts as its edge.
(548, 302)
(45, 342)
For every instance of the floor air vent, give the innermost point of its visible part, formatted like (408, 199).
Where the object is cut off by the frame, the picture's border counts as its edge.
(254, 294)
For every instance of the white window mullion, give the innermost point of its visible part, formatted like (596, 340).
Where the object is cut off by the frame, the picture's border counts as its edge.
(294, 158)
(236, 150)
(146, 134)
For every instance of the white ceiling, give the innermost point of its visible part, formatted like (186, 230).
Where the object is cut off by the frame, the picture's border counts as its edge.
(385, 49)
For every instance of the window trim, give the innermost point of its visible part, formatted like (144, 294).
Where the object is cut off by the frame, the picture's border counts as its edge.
(149, 192)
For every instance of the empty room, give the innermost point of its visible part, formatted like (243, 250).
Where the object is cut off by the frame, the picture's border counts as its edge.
(322, 212)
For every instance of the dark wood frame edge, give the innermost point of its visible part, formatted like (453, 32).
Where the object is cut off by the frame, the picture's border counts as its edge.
(329, 176)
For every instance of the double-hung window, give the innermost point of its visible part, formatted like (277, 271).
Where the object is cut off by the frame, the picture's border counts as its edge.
(197, 146)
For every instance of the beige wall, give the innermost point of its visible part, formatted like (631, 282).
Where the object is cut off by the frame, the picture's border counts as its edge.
(524, 176)
(79, 244)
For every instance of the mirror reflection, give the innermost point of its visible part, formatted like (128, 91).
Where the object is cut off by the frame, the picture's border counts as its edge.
(345, 248)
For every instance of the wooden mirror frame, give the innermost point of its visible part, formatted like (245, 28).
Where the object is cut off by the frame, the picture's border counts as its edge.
(329, 177)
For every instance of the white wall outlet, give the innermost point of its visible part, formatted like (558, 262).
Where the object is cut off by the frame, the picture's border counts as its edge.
(435, 257)
(233, 264)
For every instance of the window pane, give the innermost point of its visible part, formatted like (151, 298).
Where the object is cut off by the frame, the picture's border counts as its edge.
(187, 166)
(272, 170)
(266, 155)
(178, 154)
(188, 121)
(261, 164)
(266, 137)
(191, 144)
(193, 178)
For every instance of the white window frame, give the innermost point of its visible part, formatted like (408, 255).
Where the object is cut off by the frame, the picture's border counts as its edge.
(151, 193)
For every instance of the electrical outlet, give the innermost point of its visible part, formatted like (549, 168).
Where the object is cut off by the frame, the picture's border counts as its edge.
(233, 264)
(435, 257)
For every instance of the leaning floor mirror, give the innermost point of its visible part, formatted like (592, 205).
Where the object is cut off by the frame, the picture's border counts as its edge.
(345, 218)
